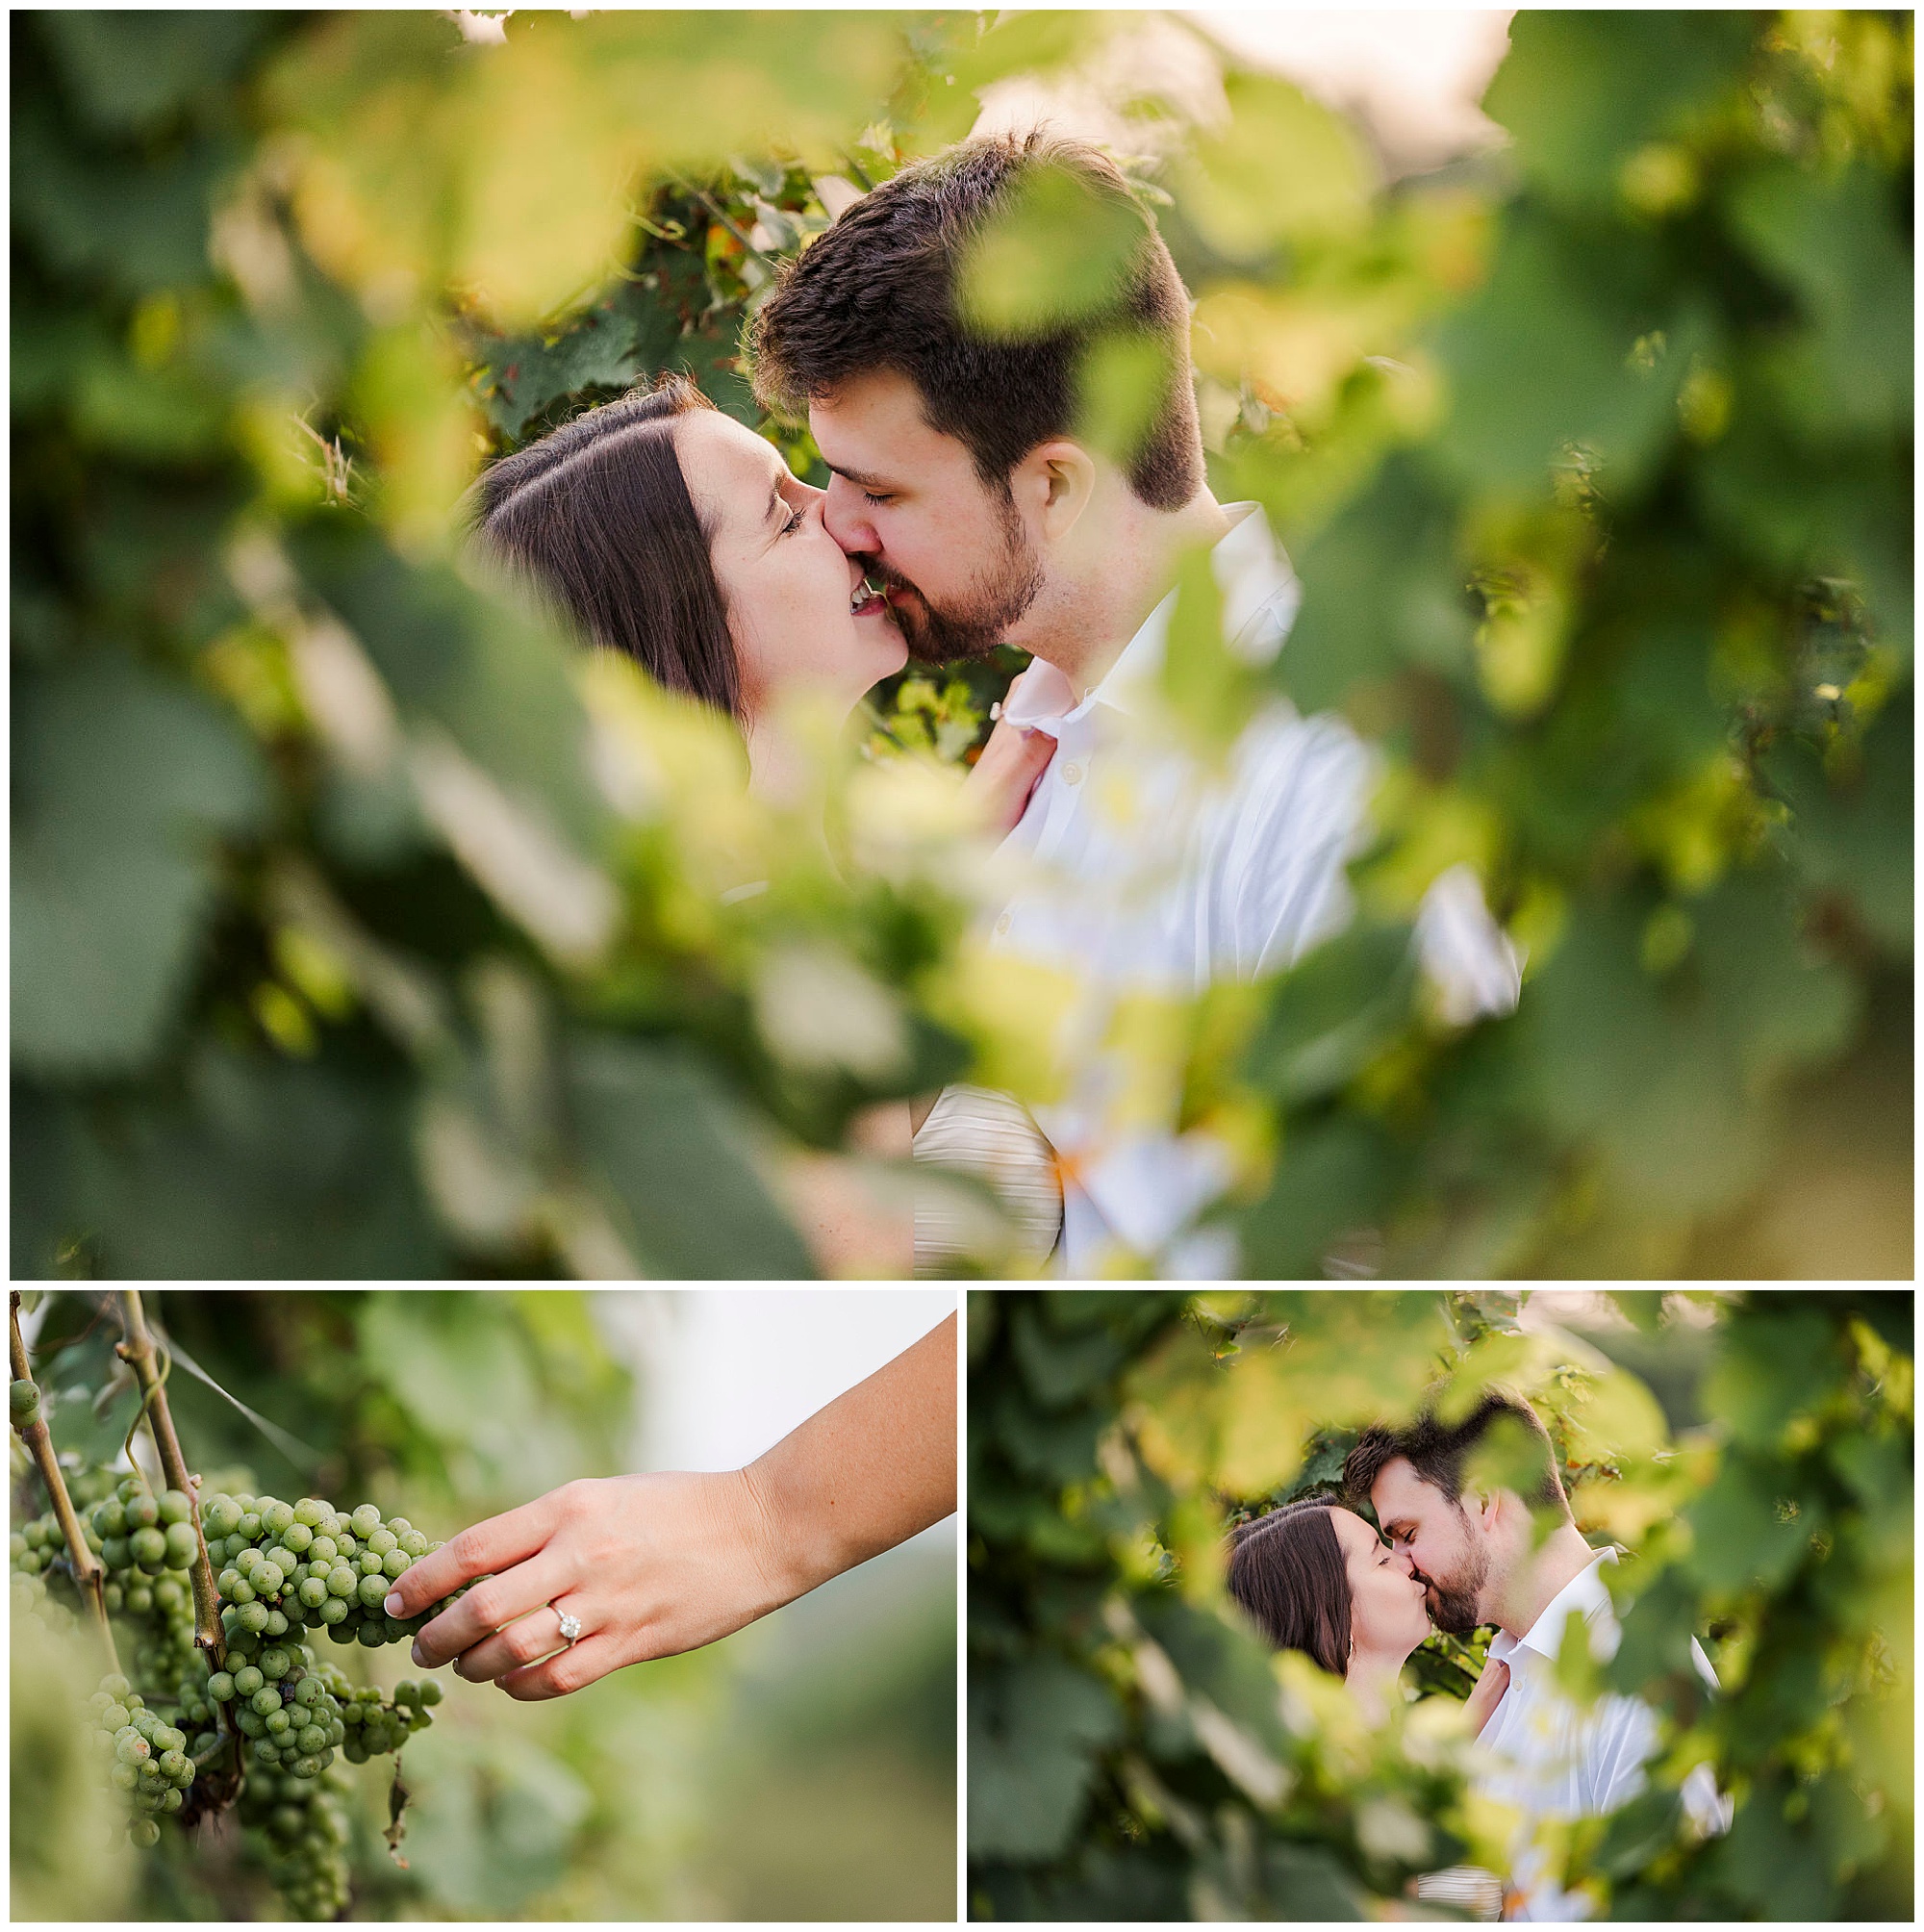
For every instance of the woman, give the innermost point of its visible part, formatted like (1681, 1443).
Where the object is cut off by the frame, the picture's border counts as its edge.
(1315, 1577)
(669, 531)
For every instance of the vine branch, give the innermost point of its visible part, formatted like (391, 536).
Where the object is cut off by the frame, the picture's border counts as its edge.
(136, 1350)
(89, 1570)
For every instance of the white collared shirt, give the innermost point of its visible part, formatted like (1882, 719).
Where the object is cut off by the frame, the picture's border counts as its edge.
(1151, 877)
(1561, 1762)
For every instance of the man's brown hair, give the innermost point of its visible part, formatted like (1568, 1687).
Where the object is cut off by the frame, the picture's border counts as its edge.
(878, 291)
(1437, 1450)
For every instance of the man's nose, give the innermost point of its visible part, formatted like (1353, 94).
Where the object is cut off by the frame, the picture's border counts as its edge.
(843, 521)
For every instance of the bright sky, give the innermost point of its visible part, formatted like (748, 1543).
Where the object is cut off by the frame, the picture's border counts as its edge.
(727, 1372)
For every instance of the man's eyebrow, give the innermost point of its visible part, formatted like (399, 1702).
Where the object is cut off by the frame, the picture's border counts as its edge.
(860, 478)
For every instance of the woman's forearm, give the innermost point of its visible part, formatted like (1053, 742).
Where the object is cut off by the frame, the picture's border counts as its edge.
(861, 1475)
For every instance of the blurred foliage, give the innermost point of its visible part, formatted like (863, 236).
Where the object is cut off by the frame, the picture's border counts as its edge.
(614, 1803)
(357, 930)
(1135, 1754)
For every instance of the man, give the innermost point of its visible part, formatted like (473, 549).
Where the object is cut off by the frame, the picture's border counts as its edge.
(1472, 1540)
(961, 475)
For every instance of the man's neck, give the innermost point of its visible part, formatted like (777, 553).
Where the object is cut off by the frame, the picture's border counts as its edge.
(1089, 626)
(1525, 1597)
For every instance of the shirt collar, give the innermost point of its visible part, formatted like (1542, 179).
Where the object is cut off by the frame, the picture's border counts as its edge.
(1260, 596)
(1585, 1591)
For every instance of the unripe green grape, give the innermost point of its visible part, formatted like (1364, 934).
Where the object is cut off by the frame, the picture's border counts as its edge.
(348, 1543)
(234, 1547)
(182, 1545)
(368, 1563)
(221, 1516)
(323, 1550)
(342, 1630)
(241, 1590)
(23, 1402)
(140, 1598)
(309, 1511)
(343, 1582)
(143, 1512)
(297, 1537)
(267, 1579)
(123, 1775)
(176, 1506)
(265, 1700)
(117, 1717)
(170, 1593)
(407, 1692)
(131, 1748)
(370, 1636)
(249, 1525)
(277, 1517)
(115, 1553)
(275, 1663)
(276, 1622)
(150, 1547)
(249, 1679)
(372, 1590)
(354, 1750)
(172, 1763)
(247, 1721)
(278, 1724)
(115, 1598)
(367, 1519)
(205, 1743)
(309, 1690)
(145, 1833)
(314, 1592)
(334, 1612)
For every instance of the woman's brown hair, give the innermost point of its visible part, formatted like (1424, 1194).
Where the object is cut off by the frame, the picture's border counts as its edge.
(1286, 1569)
(597, 514)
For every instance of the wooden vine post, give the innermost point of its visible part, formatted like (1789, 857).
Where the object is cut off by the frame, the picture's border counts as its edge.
(90, 1572)
(136, 1349)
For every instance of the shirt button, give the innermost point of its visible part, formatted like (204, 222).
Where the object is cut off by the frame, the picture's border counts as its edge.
(1003, 924)
(1072, 774)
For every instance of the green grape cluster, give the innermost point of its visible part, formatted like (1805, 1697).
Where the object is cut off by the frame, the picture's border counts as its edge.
(283, 1571)
(306, 1829)
(285, 1565)
(149, 1756)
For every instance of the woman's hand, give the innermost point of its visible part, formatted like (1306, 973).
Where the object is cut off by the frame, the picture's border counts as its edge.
(650, 1565)
(1488, 1694)
(647, 1565)
(1001, 780)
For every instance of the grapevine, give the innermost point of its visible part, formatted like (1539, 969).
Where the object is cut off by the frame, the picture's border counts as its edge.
(239, 1709)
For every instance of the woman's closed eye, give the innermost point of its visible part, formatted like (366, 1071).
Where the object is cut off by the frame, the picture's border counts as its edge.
(794, 523)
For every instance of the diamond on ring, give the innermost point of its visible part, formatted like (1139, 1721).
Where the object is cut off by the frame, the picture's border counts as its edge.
(570, 1628)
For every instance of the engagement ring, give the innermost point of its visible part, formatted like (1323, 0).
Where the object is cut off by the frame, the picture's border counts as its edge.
(570, 1628)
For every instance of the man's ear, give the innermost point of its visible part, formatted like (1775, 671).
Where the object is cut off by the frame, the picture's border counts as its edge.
(1052, 486)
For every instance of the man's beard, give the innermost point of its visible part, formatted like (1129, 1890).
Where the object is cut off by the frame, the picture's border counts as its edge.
(960, 633)
(1452, 1606)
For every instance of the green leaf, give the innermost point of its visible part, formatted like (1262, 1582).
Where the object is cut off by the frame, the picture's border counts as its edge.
(1031, 1732)
(1333, 1013)
(1580, 91)
(667, 1145)
(1286, 170)
(1751, 1527)
(1332, 1178)
(123, 784)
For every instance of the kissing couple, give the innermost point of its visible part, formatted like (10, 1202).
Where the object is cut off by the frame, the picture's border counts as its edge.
(969, 505)
(1455, 1553)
